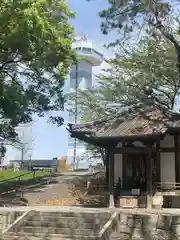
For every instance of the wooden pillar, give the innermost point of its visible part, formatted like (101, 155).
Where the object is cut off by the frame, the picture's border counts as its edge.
(177, 157)
(149, 181)
(107, 166)
(111, 179)
(124, 167)
(158, 161)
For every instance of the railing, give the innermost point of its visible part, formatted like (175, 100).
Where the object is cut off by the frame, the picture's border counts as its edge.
(167, 186)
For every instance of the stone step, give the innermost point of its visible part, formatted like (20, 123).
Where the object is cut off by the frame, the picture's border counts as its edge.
(35, 238)
(64, 223)
(42, 236)
(59, 219)
(74, 214)
(66, 231)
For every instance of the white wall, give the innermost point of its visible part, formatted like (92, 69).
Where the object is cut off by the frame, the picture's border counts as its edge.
(118, 167)
(167, 163)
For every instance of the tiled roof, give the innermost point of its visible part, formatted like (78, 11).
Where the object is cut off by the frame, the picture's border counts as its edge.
(150, 121)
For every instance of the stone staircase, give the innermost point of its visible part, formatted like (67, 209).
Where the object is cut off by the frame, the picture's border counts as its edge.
(60, 225)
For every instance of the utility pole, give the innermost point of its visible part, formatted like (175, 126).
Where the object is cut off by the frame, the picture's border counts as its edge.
(75, 116)
(22, 156)
(77, 162)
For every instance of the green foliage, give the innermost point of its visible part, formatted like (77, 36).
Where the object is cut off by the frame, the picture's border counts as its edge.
(87, 101)
(134, 20)
(152, 66)
(127, 15)
(35, 53)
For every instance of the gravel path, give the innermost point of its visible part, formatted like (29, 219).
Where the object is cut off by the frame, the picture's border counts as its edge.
(58, 193)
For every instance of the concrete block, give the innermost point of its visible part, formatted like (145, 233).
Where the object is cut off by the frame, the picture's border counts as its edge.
(126, 219)
(176, 220)
(125, 229)
(164, 222)
(138, 221)
(123, 218)
(176, 229)
(137, 233)
(150, 222)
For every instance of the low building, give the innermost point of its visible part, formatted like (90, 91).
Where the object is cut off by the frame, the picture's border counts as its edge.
(28, 165)
(143, 152)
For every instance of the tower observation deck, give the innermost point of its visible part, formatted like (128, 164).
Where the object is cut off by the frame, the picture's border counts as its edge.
(81, 77)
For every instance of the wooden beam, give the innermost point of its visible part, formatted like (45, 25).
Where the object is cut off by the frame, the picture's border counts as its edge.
(137, 150)
(90, 140)
(177, 157)
(134, 150)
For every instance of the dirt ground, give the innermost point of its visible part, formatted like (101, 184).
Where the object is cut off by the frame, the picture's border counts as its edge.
(61, 192)
(66, 192)
(58, 193)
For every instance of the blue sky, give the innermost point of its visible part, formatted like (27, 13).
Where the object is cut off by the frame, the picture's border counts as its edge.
(50, 141)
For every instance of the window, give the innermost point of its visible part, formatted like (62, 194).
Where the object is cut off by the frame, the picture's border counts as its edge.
(87, 50)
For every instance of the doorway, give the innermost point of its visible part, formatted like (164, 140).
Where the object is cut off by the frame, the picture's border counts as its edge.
(134, 171)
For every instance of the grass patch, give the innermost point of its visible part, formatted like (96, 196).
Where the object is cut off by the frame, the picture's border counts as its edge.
(10, 180)
(9, 175)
